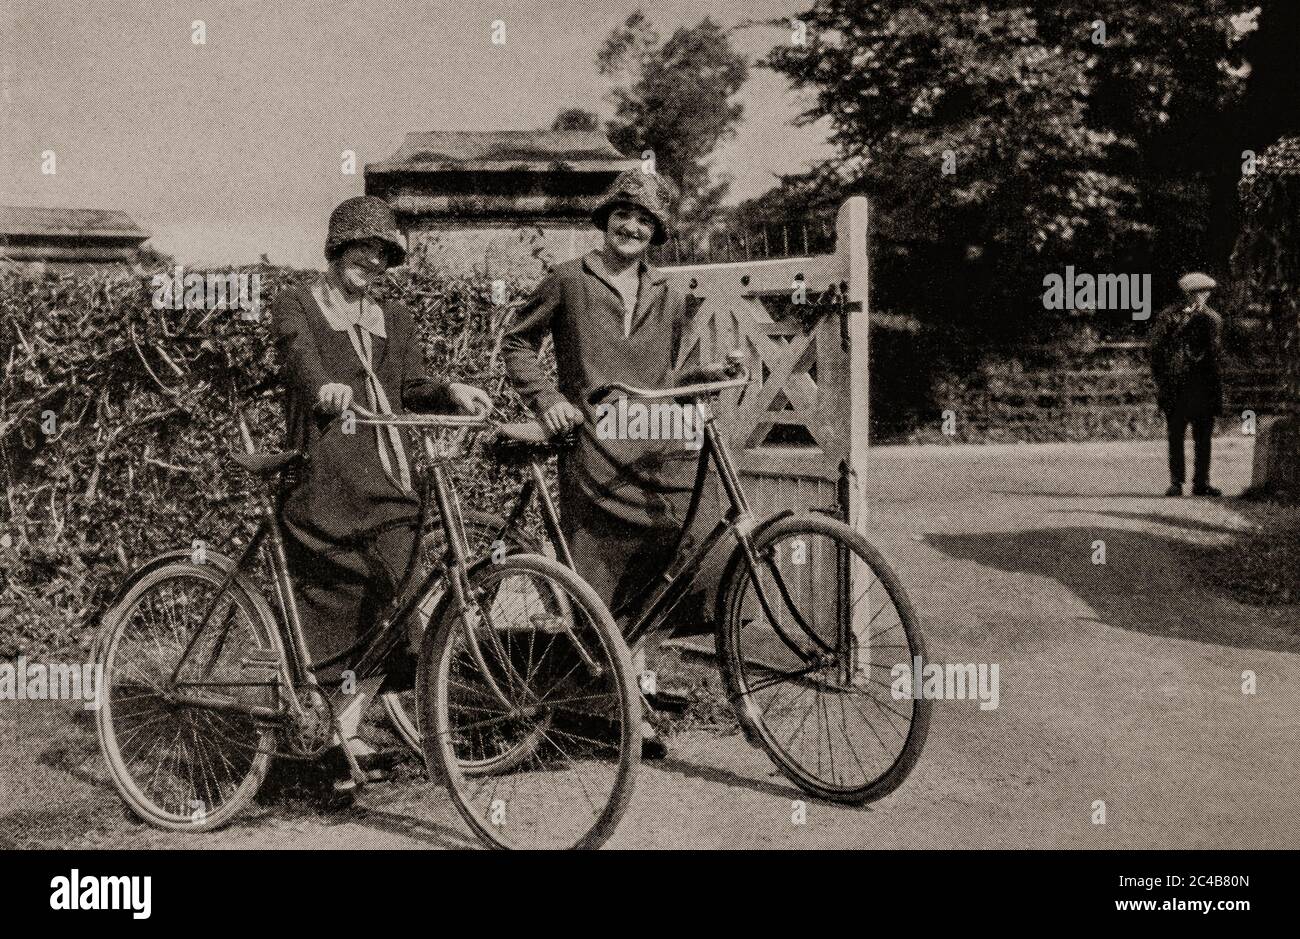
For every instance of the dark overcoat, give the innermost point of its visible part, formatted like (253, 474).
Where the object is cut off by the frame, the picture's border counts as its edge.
(351, 526)
(1185, 352)
(636, 483)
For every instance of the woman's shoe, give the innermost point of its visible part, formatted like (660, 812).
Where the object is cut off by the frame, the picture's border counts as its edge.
(652, 745)
(368, 759)
(399, 671)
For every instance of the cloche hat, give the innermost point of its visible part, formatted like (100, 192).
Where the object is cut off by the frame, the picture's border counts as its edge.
(648, 191)
(363, 217)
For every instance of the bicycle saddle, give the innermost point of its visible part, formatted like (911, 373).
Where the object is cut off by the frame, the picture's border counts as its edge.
(264, 465)
(519, 443)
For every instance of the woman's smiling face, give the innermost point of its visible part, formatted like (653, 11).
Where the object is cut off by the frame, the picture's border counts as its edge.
(361, 263)
(628, 230)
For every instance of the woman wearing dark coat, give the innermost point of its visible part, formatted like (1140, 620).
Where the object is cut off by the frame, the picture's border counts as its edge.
(351, 518)
(612, 317)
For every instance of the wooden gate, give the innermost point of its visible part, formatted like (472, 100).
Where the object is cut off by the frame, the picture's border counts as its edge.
(800, 433)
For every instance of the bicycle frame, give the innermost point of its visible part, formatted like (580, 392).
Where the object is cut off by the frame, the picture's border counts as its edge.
(288, 640)
(655, 602)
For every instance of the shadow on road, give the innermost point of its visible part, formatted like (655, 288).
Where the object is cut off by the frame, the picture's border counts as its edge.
(1155, 518)
(1147, 585)
(737, 781)
(427, 832)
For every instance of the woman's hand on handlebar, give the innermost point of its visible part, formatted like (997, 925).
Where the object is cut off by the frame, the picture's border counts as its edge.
(470, 400)
(561, 417)
(334, 398)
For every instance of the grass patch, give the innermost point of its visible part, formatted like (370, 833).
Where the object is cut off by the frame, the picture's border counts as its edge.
(1260, 567)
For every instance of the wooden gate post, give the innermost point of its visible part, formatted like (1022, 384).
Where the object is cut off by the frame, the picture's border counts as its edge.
(851, 254)
(800, 434)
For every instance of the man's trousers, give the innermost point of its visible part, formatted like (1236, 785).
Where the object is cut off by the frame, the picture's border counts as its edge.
(1202, 440)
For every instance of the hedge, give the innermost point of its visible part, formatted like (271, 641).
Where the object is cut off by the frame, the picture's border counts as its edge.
(116, 421)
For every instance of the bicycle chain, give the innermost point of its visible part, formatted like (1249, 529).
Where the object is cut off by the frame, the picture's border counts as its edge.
(283, 754)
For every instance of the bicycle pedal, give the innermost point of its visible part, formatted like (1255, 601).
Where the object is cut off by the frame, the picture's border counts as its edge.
(545, 623)
(668, 699)
(346, 787)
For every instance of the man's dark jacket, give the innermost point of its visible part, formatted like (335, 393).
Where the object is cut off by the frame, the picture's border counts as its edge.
(1185, 353)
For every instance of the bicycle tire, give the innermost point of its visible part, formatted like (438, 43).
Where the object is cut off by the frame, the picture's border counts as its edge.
(112, 728)
(585, 828)
(736, 664)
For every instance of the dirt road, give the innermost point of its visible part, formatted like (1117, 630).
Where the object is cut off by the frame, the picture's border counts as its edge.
(1119, 682)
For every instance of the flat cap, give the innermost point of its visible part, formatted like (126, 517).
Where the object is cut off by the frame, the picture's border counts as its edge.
(1195, 281)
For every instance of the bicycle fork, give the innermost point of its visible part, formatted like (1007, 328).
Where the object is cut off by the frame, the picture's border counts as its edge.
(743, 526)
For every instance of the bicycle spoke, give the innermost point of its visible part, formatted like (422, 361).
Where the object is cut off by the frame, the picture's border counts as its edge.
(821, 743)
(170, 758)
(535, 761)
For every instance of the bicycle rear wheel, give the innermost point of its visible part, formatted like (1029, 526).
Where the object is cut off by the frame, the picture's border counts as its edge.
(183, 767)
(481, 530)
(535, 670)
(807, 654)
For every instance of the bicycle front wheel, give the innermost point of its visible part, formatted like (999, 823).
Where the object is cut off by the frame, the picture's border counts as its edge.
(534, 670)
(481, 531)
(808, 645)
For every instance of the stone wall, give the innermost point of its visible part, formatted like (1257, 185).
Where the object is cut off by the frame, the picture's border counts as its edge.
(501, 248)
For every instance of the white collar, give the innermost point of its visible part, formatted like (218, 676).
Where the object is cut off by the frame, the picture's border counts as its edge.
(343, 314)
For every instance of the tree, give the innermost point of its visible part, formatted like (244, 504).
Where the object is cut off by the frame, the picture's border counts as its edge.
(677, 103)
(1266, 260)
(1266, 263)
(575, 119)
(1002, 140)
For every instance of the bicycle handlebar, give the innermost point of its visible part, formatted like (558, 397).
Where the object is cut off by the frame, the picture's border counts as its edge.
(730, 374)
(432, 421)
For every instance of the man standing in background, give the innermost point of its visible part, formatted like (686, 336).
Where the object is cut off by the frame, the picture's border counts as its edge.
(1189, 387)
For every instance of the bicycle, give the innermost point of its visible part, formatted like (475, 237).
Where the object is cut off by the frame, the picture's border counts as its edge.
(485, 533)
(203, 681)
(787, 619)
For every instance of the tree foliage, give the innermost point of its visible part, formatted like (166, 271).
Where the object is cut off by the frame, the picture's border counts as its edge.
(1000, 140)
(1266, 260)
(677, 101)
(575, 119)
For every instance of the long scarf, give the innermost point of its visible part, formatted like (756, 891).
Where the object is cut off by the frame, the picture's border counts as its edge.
(359, 323)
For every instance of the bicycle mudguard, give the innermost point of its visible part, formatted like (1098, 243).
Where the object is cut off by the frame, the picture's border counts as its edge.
(220, 561)
(448, 595)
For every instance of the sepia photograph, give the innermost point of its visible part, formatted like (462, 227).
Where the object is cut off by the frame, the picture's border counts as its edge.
(833, 426)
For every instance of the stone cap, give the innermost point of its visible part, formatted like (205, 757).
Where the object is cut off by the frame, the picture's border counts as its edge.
(504, 150)
(30, 222)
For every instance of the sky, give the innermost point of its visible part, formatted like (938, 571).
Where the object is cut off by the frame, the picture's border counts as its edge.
(229, 150)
